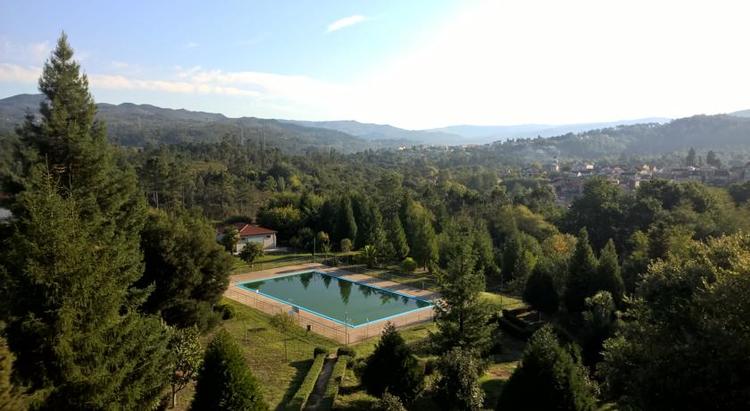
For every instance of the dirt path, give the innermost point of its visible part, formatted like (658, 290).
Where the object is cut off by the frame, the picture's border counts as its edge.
(316, 397)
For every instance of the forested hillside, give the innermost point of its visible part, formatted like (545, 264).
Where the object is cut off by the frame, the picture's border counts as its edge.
(110, 269)
(141, 125)
(384, 132)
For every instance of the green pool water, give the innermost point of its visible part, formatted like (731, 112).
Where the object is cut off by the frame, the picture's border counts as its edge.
(343, 301)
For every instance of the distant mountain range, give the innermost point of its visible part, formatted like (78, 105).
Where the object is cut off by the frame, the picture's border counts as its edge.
(465, 134)
(489, 134)
(142, 124)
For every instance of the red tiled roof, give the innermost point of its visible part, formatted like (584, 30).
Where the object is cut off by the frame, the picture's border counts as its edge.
(247, 230)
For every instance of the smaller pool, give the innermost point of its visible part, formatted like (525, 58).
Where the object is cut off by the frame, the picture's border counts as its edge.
(337, 299)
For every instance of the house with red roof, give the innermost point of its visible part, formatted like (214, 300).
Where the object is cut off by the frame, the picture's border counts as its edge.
(256, 234)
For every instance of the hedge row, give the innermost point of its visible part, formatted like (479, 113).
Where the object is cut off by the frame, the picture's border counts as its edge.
(334, 382)
(308, 384)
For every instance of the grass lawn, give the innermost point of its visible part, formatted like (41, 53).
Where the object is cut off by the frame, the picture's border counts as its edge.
(280, 371)
(500, 367)
(279, 260)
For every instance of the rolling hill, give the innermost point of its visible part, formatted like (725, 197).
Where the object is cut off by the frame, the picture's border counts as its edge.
(142, 124)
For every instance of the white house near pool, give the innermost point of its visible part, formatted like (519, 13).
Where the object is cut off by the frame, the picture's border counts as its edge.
(256, 234)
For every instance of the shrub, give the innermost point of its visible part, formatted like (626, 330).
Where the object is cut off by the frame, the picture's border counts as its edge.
(320, 350)
(283, 321)
(225, 383)
(346, 245)
(348, 351)
(251, 251)
(308, 384)
(390, 402)
(227, 311)
(392, 367)
(458, 386)
(548, 377)
(408, 265)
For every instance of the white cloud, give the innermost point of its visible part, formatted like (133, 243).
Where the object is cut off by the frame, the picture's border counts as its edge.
(13, 73)
(508, 62)
(345, 22)
(27, 53)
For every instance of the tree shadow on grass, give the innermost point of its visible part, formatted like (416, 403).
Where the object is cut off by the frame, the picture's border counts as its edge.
(301, 368)
(492, 389)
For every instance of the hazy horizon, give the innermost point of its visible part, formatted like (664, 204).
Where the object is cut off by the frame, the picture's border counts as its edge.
(419, 65)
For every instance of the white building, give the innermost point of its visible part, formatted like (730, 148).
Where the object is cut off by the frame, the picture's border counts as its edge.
(255, 234)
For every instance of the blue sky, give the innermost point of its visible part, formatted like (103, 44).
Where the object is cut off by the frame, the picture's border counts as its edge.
(415, 64)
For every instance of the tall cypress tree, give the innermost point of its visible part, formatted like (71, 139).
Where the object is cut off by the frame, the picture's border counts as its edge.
(346, 225)
(540, 289)
(74, 258)
(397, 238)
(608, 273)
(582, 273)
(420, 233)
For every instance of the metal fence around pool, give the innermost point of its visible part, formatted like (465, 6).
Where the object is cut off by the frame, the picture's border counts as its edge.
(327, 328)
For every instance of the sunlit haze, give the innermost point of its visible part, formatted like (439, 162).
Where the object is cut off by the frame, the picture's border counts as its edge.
(410, 64)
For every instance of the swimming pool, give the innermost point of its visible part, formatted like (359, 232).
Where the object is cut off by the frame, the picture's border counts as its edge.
(337, 299)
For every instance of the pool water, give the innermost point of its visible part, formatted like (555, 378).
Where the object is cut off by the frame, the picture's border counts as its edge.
(339, 300)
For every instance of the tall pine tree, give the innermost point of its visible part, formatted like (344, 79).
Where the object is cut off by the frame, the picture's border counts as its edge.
(399, 247)
(462, 317)
(608, 273)
(346, 225)
(74, 257)
(582, 273)
(76, 336)
(420, 233)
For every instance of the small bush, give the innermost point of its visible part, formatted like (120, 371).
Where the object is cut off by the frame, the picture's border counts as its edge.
(408, 265)
(348, 351)
(226, 311)
(251, 251)
(320, 350)
(346, 245)
(283, 321)
(390, 402)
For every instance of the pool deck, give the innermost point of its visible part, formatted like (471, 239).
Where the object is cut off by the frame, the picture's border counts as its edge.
(320, 325)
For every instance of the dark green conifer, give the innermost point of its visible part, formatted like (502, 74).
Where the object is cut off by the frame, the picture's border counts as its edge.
(548, 378)
(393, 368)
(608, 275)
(397, 238)
(225, 382)
(187, 268)
(582, 274)
(540, 289)
(462, 317)
(75, 255)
